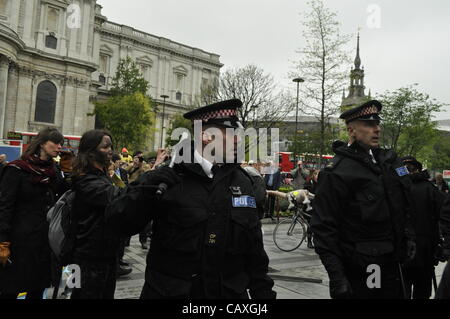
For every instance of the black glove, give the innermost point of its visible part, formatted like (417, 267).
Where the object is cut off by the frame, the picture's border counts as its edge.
(410, 250)
(340, 289)
(161, 175)
(445, 255)
(441, 254)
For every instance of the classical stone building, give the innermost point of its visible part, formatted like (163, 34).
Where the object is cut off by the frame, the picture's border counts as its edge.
(57, 57)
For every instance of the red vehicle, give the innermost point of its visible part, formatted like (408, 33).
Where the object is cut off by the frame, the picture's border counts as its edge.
(286, 161)
(71, 142)
(310, 161)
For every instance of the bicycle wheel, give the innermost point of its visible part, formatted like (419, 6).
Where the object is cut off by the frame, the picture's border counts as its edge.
(288, 234)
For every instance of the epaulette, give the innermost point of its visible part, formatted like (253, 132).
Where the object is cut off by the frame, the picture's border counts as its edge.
(334, 163)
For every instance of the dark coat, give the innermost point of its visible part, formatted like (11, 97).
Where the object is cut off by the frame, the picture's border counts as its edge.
(427, 201)
(123, 175)
(361, 211)
(276, 180)
(23, 223)
(95, 241)
(444, 222)
(198, 235)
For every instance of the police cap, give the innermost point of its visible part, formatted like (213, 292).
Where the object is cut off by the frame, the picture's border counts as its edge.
(224, 114)
(368, 111)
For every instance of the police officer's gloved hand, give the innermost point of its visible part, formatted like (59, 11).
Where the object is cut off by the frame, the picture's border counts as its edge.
(164, 175)
(445, 255)
(340, 288)
(410, 250)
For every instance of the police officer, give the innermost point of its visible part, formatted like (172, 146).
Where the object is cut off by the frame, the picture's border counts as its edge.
(427, 200)
(443, 291)
(207, 239)
(361, 212)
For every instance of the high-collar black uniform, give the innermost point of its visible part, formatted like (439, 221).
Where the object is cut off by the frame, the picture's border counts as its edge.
(202, 246)
(361, 213)
(427, 201)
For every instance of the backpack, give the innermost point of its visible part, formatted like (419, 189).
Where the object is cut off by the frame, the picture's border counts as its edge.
(62, 227)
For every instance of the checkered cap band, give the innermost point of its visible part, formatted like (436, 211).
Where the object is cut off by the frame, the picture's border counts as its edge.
(219, 114)
(365, 111)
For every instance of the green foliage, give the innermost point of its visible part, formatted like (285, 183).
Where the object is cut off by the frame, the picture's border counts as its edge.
(177, 121)
(309, 141)
(407, 121)
(128, 79)
(128, 112)
(437, 156)
(128, 118)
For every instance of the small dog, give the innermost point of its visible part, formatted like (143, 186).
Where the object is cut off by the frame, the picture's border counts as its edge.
(295, 198)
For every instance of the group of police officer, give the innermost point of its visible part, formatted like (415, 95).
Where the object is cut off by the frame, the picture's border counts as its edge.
(377, 216)
(376, 220)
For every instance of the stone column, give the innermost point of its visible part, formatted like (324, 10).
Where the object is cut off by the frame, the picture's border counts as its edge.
(4, 67)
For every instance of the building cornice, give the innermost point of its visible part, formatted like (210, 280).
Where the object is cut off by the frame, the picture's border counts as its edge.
(136, 37)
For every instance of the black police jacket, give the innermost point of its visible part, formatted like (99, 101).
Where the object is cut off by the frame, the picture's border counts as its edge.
(95, 240)
(427, 201)
(204, 231)
(361, 210)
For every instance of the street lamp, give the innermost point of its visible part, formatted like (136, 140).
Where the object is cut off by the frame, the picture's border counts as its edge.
(162, 122)
(298, 81)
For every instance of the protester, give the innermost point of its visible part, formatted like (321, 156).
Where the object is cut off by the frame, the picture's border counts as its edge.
(118, 170)
(96, 245)
(441, 183)
(2, 163)
(299, 175)
(125, 157)
(137, 168)
(207, 239)
(28, 188)
(272, 178)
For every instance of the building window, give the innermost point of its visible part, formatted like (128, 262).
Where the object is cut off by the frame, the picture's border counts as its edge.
(4, 6)
(45, 102)
(178, 96)
(51, 41)
(102, 79)
(104, 61)
(52, 20)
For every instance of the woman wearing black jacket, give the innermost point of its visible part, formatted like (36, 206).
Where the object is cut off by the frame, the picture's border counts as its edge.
(96, 245)
(28, 188)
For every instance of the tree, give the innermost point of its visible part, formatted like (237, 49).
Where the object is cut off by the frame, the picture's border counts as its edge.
(128, 118)
(407, 120)
(128, 79)
(128, 112)
(262, 104)
(439, 153)
(177, 122)
(321, 64)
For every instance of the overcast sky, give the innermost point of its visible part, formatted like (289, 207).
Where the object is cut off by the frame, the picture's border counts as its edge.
(411, 45)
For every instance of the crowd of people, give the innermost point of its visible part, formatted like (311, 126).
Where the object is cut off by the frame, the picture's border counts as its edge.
(370, 208)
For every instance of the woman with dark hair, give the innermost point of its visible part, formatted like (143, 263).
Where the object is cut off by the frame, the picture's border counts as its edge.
(96, 245)
(29, 187)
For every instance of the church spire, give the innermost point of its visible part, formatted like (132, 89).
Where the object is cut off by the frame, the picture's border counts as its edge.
(357, 59)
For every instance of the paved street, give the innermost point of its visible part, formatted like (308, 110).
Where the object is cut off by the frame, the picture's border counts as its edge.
(301, 263)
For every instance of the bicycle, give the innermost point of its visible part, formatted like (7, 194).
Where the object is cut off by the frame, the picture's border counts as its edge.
(291, 232)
